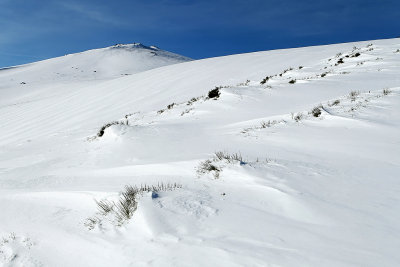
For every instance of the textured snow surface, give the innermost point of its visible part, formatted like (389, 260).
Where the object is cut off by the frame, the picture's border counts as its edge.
(308, 191)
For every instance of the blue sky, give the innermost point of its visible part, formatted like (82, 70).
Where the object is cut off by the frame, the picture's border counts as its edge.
(32, 30)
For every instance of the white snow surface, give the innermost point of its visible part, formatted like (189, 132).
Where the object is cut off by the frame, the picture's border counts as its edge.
(309, 191)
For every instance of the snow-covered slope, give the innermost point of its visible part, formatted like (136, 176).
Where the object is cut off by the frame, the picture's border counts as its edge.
(87, 67)
(316, 183)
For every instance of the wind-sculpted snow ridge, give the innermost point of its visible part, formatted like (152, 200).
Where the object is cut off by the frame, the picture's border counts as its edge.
(282, 158)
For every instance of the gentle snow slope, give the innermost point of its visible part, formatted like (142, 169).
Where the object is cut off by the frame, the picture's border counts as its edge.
(82, 68)
(309, 191)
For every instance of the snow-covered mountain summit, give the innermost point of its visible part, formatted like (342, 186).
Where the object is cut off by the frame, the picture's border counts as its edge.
(88, 67)
(103, 63)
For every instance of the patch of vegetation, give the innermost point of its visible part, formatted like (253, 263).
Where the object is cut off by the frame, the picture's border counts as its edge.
(298, 117)
(265, 80)
(268, 124)
(316, 111)
(208, 166)
(104, 127)
(186, 111)
(340, 61)
(170, 106)
(246, 83)
(292, 81)
(335, 103)
(386, 91)
(353, 95)
(191, 101)
(120, 211)
(218, 162)
(286, 70)
(230, 158)
(214, 93)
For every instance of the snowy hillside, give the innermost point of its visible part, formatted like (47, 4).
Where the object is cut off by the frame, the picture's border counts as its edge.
(84, 68)
(277, 158)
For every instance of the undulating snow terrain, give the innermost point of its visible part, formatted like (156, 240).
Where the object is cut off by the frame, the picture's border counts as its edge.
(294, 160)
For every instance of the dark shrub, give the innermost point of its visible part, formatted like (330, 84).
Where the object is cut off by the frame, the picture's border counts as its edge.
(265, 80)
(292, 81)
(386, 91)
(214, 93)
(316, 112)
(336, 102)
(102, 129)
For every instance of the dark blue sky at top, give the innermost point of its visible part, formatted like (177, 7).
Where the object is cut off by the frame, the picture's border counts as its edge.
(32, 30)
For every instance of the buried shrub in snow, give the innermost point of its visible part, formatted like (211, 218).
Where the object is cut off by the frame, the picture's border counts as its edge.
(214, 93)
(104, 127)
(119, 211)
(208, 166)
(265, 80)
(298, 117)
(335, 103)
(269, 123)
(386, 91)
(316, 112)
(230, 158)
(353, 95)
(218, 162)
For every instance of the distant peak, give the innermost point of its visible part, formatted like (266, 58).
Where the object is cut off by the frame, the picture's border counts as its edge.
(134, 45)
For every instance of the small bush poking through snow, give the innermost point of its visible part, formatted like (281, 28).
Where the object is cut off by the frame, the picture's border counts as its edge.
(335, 103)
(386, 91)
(297, 117)
(208, 166)
(324, 74)
(191, 101)
(230, 158)
(316, 112)
(122, 210)
(340, 61)
(268, 123)
(104, 127)
(265, 80)
(214, 93)
(292, 81)
(218, 162)
(353, 95)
